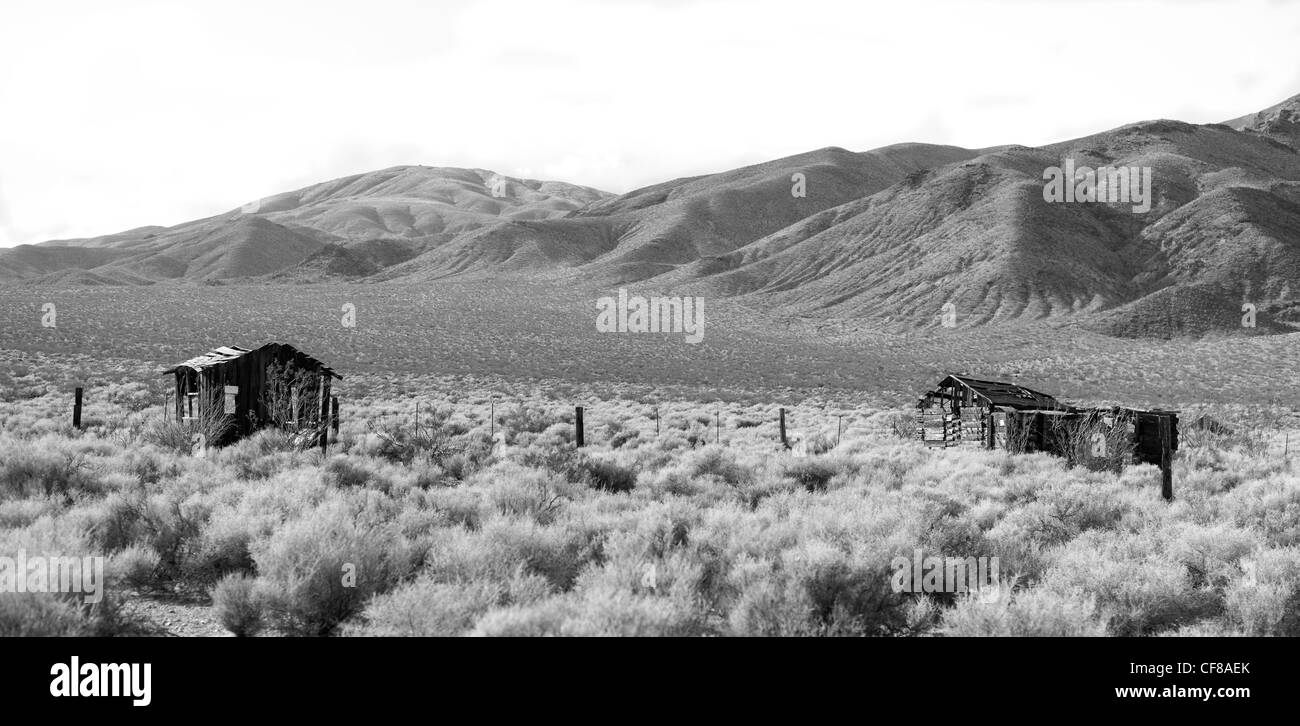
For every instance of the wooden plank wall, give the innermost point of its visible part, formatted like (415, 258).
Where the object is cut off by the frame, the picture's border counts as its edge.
(972, 429)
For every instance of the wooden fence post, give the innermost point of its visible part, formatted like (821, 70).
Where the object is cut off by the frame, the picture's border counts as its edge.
(577, 425)
(76, 409)
(334, 415)
(1166, 460)
(839, 429)
(492, 419)
(784, 441)
(656, 422)
(322, 412)
(717, 427)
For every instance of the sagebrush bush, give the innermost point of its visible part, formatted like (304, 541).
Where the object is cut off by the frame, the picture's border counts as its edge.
(1033, 613)
(717, 461)
(18, 513)
(524, 420)
(402, 444)
(820, 591)
(606, 475)
(1264, 598)
(266, 453)
(40, 471)
(320, 570)
(811, 474)
(136, 567)
(237, 604)
(1139, 590)
(169, 435)
(597, 613)
(1211, 554)
(506, 546)
(459, 507)
(1263, 609)
(1272, 506)
(429, 609)
(347, 471)
(172, 528)
(224, 547)
(674, 481)
(526, 492)
(59, 615)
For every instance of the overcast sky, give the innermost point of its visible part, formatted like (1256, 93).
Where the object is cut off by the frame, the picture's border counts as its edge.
(121, 114)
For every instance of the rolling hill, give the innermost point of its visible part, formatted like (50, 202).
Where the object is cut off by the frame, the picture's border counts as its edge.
(376, 219)
(978, 234)
(891, 235)
(652, 231)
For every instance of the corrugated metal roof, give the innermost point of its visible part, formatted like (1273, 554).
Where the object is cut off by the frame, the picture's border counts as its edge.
(225, 354)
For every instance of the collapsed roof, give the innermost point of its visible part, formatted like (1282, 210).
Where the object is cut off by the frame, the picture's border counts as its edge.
(1008, 395)
(225, 354)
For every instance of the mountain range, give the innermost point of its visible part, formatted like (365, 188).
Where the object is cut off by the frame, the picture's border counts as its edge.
(896, 234)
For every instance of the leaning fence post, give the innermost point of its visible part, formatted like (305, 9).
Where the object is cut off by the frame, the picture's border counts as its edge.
(577, 425)
(334, 415)
(784, 441)
(76, 409)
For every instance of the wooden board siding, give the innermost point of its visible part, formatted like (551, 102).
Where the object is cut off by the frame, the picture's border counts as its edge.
(938, 427)
(934, 427)
(1148, 448)
(972, 431)
(933, 421)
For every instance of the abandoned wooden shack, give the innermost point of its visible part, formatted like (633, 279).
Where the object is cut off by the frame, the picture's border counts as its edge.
(966, 411)
(248, 389)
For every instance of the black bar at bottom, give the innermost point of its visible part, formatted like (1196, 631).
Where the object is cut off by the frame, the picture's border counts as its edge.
(939, 676)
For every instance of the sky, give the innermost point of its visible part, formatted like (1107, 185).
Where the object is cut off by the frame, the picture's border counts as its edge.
(116, 115)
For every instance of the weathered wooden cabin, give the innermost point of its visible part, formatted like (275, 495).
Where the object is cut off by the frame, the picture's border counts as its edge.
(966, 411)
(969, 411)
(275, 384)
